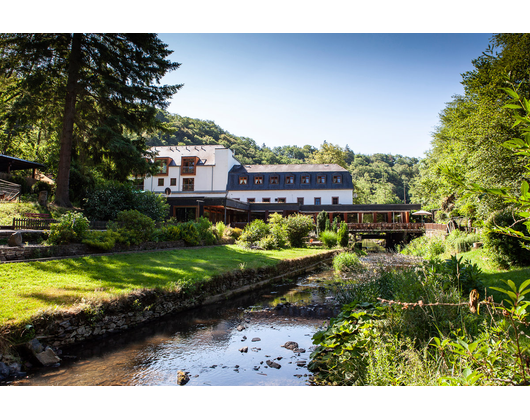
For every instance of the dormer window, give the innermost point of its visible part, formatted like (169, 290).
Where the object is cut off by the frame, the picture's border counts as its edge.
(304, 179)
(258, 180)
(243, 180)
(289, 179)
(188, 165)
(321, 179)
(163, 165)
(337, 179)
(274, 180)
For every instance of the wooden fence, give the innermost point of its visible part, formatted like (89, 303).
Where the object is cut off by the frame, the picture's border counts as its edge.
(32, 224)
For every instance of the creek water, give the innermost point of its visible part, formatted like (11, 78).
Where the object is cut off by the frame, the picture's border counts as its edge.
(207, 343)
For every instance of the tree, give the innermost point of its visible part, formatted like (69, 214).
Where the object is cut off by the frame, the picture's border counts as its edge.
(108, 86)
(329, 154)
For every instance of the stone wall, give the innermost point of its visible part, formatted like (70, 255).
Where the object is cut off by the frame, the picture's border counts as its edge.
(28, 252)
(91, 320)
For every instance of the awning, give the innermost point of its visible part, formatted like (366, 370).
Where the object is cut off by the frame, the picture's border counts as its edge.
(10, 163)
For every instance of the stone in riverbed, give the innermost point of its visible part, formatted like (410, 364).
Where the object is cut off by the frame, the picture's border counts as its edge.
(182, 378)
(244, 350)
(291, 345)
(272, 364)
(48, 357)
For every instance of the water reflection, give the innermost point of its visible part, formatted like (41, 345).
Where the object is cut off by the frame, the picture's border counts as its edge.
(207, 343)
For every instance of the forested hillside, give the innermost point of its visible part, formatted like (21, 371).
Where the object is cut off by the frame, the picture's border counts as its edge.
(379, 178)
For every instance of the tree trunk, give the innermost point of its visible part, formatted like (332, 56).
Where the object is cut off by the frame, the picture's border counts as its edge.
(62, 195)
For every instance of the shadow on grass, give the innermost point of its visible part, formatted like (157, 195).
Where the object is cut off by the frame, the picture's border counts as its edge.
(497, 279)
(161, 269)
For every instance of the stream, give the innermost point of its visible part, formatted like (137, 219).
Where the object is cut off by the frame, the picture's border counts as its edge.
(208, 343)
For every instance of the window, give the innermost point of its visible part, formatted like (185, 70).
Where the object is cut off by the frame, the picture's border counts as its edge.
(243, 180)
(317, 201)
(163, 164)
(258, 180)
(337, 179)
(321, 179)
(160, 182)
(251, 200)
(304, 179)
(289, 179)
(281, 200)
(188, 165)
(265, 200)
(334, 200)
(274, 180)
(188, 184)
(300, 201)
(173, 181)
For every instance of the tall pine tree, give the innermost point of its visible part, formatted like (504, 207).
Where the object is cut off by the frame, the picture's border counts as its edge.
(106, 88)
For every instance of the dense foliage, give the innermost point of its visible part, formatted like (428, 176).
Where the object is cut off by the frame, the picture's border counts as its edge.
(83, 96)
(106, 200)
(467, 146)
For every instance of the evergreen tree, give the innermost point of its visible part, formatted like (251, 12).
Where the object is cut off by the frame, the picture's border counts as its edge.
(106, 88)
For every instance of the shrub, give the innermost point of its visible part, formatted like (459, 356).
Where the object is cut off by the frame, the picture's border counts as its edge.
(268, 242)
(103, 241)
(253, 233)
(347, 262)
(220, 228)
(505, 250)
(298, 227)
(343, 235)
(278, 229)
(328, 238)
(71, 227)
(189, 233)
(106, 200)
(321, 222)
(133, 227)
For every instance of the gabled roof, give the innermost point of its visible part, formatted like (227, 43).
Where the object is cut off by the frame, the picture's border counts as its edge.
(10, 163)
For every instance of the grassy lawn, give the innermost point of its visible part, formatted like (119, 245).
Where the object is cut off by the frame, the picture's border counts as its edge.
(25, 288)
(493, 276)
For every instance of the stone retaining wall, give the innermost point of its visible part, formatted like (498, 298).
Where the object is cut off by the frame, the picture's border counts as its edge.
(92, 320)
(28, 252)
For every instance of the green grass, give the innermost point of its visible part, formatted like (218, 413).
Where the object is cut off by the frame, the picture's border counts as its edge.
(494, 276)
(9, 210)
(26, 288)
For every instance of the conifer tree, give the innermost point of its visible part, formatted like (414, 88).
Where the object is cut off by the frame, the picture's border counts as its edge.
(106, 88)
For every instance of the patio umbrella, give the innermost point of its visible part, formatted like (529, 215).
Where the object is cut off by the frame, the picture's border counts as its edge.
(422, 213)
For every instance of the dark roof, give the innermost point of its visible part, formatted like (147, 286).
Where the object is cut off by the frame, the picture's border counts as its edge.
(282, 171)
(15, 164)
(303, 167)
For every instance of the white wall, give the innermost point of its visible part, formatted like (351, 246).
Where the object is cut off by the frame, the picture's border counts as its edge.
(291, 196)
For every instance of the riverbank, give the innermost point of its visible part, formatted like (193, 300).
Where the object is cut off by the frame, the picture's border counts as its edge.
(68, 301)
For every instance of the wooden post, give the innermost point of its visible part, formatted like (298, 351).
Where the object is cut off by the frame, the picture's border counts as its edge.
(374, 217)
(389, 217)
(407, 217)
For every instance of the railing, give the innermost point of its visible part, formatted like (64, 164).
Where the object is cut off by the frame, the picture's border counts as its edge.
(435, 226)
(384, 226)
(34, 224)
(367, 227)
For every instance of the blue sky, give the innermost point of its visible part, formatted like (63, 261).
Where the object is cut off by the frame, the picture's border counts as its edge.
(376, 93)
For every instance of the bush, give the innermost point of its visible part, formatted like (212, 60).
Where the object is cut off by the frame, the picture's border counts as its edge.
(268, 242)
(425, 247)
(71, 227)
(106, 200)
(321, 222)
(298, 227)
(103, 241)
(278, 229)
(133, 227)
(505, 250)
(220, 228)
(253, 233)
(328, 238)
(343, 235)
(347, 262)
